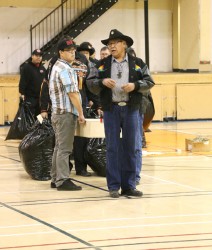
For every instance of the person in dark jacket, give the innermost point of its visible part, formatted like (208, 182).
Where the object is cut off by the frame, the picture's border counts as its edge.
(123, 83)
(146, 114)
(89, 100)
(104, 52)
(91, 52)
(32, 76)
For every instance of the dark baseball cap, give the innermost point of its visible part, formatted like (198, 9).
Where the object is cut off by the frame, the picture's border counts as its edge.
(37, 52)
(66, 43)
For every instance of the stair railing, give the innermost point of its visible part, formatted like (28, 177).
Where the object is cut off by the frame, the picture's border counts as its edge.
(56, 21)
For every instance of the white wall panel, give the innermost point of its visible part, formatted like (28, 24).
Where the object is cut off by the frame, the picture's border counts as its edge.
(131, 23)
(15, 37)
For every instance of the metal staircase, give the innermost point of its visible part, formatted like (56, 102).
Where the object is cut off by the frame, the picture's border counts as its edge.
(71, 17)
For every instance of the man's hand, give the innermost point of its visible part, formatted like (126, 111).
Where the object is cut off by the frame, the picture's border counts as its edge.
(128, 87)
(23, 97)
(90, 104)
(44, 115)
(99, 112)
(81, 74)
(81, 119)
(108, 82)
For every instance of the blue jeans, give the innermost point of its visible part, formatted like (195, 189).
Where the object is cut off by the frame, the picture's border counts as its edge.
(121, 119)
(139, 147)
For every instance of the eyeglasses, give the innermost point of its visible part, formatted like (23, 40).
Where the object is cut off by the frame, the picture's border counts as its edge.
(110, 44)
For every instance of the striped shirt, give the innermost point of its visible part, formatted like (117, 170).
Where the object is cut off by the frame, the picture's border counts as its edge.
(120, 73)
(63, 80)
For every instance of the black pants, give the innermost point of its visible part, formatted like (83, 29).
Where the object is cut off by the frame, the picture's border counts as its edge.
(34, 105)
(80, 144)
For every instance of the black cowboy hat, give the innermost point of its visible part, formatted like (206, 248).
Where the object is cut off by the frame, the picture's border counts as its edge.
(86, 46)
(115, 34)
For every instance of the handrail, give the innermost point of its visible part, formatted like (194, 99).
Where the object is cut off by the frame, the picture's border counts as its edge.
(56, 21)
(48, 15)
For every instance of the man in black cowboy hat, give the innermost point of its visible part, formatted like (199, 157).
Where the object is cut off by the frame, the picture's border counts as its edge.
(123, 82)
(88, 50)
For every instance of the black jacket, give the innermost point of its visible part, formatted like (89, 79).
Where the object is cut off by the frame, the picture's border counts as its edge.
(138, 74)
(31, 79)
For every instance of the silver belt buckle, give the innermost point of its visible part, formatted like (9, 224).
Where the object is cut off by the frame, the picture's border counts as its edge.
(122, 104)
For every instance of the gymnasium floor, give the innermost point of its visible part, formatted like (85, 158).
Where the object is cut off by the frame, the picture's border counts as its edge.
(174, 213)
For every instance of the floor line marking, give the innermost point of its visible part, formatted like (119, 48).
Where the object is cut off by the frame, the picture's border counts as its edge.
(49, 226)
(10, 164)
(115, 219)
(173, 182)
(107, 228)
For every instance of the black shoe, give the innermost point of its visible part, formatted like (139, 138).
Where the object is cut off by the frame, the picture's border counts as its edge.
(83, 173)
(148, 130)
(114, 193)
(53, 185)
(68, 185)
(132, 192)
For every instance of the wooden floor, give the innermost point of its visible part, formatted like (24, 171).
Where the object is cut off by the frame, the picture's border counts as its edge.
(174, 213)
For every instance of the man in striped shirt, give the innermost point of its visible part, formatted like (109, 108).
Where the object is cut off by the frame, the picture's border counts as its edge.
(66, 110)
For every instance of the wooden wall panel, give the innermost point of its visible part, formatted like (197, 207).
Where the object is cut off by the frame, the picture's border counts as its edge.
(1, 106)
(9, 97)
(169, 100)
(194, 101)
(158, 102)
(11, 102)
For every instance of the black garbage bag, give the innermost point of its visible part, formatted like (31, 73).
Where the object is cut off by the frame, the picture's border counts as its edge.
(36, 150)
(149, 114)
(91, 113)
(95, 155)
(22, 123)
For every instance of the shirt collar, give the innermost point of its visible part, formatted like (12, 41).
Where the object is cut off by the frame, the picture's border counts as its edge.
(124, 60)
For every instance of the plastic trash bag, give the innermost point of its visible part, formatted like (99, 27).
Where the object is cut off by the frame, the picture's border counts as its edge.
(22, 123)
(91, 113)
(95, 155)
(36, 150)
(149, 114)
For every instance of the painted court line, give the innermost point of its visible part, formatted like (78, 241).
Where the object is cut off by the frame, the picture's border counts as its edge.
(110, 228)
(46, 224)
(115, 219)
(173, 182)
